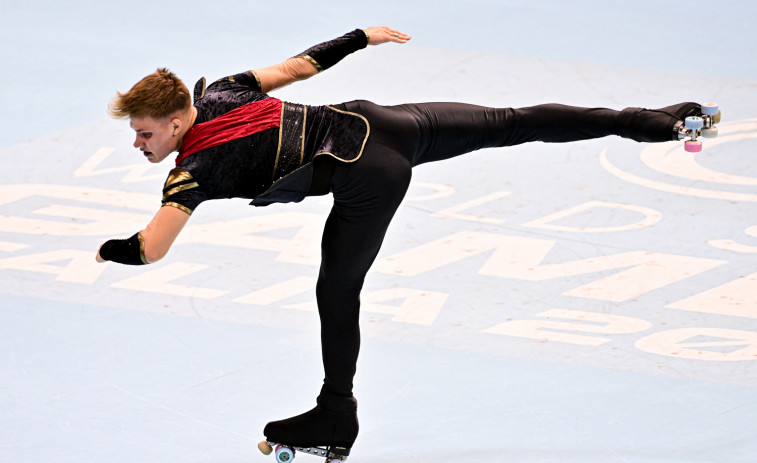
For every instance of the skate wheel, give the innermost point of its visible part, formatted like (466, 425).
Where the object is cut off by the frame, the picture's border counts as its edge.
(710, 109)
(693, 123)
(693, 146)
(284, 454)
(711, 132)
(265, 448)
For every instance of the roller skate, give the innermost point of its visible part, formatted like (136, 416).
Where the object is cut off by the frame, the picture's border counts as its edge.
(670, 123)
(696, 126)
(286, 453)
(327, 431)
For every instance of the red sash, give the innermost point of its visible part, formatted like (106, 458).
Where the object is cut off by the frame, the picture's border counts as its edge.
(240, 122)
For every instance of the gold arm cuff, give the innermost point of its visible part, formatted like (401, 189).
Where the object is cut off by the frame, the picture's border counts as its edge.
(179, 207)
(142, 248)
(310, 60)
(368, 37)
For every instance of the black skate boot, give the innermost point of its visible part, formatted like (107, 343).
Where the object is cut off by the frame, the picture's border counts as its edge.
(656, 125)
(328, 430)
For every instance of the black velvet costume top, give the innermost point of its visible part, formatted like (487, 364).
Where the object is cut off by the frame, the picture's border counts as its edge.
(274, 165)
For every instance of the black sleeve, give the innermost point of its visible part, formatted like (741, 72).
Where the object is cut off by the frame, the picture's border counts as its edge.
(182, 191)
(248, 80)
(327, 54)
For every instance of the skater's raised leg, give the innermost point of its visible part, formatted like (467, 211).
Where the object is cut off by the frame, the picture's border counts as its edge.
(428, 132)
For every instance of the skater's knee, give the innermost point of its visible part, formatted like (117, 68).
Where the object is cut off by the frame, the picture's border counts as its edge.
(337, 292)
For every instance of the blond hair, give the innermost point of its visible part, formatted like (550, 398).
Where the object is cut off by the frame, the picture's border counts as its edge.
(159, 95)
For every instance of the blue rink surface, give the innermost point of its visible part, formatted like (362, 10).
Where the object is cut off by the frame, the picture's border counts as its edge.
(100, 384)
(581, 303)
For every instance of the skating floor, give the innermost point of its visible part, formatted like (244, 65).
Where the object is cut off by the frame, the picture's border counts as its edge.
(593, 302)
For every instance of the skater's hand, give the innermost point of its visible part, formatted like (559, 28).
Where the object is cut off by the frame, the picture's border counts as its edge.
(379, 35)
(98, 258)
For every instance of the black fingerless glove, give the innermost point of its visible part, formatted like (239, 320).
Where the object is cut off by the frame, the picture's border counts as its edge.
(129, 252)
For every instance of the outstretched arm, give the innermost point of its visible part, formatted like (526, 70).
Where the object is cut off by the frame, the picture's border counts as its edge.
(149, 245)
(324, 55)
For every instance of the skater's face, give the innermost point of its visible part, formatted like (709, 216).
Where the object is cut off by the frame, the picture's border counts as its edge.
(156, 138)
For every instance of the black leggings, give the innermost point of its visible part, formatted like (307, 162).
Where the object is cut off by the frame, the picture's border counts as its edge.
(368, 192)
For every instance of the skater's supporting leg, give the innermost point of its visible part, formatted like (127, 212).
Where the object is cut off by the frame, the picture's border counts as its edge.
(366, 195)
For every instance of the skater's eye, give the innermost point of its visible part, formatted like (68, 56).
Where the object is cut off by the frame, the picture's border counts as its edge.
(146, 134)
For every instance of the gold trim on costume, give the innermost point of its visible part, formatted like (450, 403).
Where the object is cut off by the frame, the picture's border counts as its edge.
(304, 123)
(257, 78)
(291, 148)
(368, 37)
(312, 61)
(179, 206)
(142, 248)
(183, 181)
(362, 147)
(179, 189)
(177, 175)
(199, 90)
(278, 149)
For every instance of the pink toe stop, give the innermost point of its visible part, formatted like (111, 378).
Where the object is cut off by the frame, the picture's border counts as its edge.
(693, 146)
